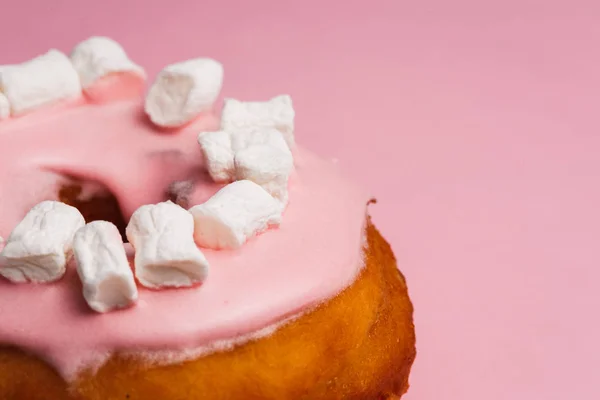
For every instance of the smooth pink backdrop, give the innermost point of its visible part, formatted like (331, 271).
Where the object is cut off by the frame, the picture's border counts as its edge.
(475, 125)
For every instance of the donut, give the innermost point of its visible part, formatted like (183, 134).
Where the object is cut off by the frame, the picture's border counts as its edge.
(162, 248)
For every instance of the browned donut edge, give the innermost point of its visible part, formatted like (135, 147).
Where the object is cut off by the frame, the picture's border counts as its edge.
(358, 345)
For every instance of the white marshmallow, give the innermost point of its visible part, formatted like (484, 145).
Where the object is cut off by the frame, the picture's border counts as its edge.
(165, 252)
(184, 90)
(276, 113)
(103, 267)
(218, 155)
(4, 107)
(39, 247)
(246, 137)
(43, 80)
(4, 104)
(98, 57)
(235, 213)
(268, 166)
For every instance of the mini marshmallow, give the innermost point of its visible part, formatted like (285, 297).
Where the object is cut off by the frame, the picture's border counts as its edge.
(39, 247)
(244, 138)
(165, 252)
(4, 104)
(43, 80)
(2, 69)
(218, 155)
(235, 213)
(221, 148)
(103, 267)
(99, 57)
(276, 113)
(184, 90)
(4, 107)
(268, 166)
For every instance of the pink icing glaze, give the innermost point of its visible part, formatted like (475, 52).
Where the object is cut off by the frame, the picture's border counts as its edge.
(117, 86)
(313, 255)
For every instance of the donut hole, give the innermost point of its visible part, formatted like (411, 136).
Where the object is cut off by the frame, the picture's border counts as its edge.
(94, 201)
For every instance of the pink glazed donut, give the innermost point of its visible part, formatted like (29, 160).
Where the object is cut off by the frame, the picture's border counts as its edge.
(313, 308)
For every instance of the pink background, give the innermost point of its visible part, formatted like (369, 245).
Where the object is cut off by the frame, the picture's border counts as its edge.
(475, 125)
